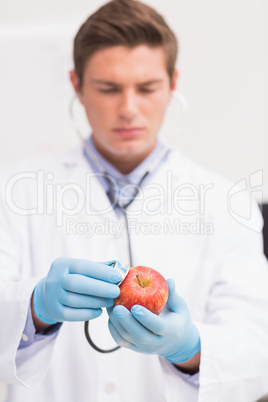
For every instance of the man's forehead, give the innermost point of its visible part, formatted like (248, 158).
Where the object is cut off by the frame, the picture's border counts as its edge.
(119, 63)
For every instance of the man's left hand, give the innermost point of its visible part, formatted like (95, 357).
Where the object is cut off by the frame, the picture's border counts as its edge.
(172, 334)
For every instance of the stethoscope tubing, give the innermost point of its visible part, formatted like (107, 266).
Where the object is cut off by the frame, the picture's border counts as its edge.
(115, 204)
(124, 211)
(99, 166)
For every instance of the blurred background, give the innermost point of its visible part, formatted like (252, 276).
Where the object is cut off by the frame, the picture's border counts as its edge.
(223, 64)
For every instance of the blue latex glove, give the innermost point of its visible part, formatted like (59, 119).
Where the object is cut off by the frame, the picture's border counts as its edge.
(75, 290)
(172, 334)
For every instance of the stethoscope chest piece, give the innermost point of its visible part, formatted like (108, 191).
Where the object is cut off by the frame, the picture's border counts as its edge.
(123, 270)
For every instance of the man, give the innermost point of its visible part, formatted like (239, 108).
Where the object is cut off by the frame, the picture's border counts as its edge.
(211, 341)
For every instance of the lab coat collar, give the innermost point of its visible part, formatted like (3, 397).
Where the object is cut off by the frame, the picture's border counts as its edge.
(80, 173)
(78, 168)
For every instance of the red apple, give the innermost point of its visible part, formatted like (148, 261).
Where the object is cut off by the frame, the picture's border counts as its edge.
(144, 286)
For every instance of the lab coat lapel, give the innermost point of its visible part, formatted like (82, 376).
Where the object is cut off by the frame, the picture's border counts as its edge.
(160, 185)
(79, 173)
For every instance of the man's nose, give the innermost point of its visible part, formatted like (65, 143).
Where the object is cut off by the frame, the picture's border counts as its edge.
(128, 108)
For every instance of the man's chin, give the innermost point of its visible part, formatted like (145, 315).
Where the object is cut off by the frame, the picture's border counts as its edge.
(133, 148)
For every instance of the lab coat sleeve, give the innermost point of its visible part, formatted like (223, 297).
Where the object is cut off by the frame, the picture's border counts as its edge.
(29, 365)
(179, 386)
(30, 336)
(234, 331)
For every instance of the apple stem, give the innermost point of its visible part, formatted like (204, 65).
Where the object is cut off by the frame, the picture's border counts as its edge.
(139, 281)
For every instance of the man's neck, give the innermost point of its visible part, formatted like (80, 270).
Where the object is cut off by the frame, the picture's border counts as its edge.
(125, 163)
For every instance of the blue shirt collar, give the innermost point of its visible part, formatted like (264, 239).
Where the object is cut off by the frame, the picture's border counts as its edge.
(133, 177)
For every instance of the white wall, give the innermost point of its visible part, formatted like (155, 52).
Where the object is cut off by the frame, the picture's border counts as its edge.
(223, 75)
(223, 63)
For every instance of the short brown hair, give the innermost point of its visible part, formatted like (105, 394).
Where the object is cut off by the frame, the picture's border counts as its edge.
(123, 22)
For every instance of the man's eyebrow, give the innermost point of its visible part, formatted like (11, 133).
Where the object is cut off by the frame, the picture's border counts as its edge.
(104, 82)
(111, 83)
(156, 81)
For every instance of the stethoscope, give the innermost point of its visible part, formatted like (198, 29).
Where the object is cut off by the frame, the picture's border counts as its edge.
(115, 201)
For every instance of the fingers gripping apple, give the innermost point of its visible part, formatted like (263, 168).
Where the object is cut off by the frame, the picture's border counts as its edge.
(143, 286)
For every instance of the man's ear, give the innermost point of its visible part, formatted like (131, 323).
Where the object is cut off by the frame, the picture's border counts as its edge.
(75, 83)
(175, 79)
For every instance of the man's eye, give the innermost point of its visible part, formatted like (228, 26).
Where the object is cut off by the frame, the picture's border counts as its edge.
(108, 91)
(147, 90)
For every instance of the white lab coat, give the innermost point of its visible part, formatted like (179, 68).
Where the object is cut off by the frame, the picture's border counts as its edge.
(222, 276)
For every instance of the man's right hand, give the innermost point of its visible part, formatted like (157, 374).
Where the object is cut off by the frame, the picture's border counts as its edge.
(75, 290)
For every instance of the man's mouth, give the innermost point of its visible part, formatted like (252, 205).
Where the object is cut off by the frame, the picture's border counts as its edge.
(128, 131)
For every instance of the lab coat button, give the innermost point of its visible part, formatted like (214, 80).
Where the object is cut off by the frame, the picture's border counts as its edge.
(24, 337)
(110, 388)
